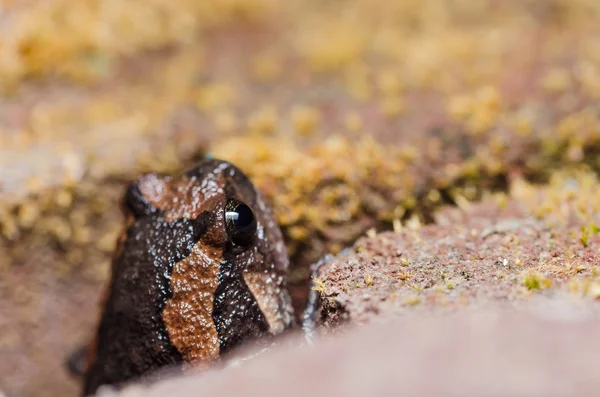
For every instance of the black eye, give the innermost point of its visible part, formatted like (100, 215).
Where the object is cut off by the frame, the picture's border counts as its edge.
(240, 222)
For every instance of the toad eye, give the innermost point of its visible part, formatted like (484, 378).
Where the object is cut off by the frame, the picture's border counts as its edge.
(240, 222)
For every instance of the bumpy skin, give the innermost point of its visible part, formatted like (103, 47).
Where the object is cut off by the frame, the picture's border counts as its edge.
(182, 293)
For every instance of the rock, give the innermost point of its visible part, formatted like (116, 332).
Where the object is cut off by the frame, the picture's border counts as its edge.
(471, 258)
(480, 352)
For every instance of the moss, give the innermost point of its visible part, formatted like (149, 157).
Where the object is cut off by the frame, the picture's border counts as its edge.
(534, 280)
(584, 236)
(411, 300)
(318, 286)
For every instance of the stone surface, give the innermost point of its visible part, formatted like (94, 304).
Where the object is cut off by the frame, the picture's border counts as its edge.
(470, 257)
(483, 352)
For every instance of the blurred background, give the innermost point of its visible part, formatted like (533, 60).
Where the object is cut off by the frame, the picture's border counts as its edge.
(348, 114)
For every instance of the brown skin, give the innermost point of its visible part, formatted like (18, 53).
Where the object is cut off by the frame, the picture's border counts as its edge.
(189, 281)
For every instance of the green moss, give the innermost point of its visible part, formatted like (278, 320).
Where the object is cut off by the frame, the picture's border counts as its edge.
(584, 236)
(536, 281)
(532, 283)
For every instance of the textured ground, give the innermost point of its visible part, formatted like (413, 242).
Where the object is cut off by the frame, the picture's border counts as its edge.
(472, 257)
(349, 115)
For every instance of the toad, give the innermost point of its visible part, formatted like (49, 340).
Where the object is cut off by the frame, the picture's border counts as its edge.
(200, 268)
